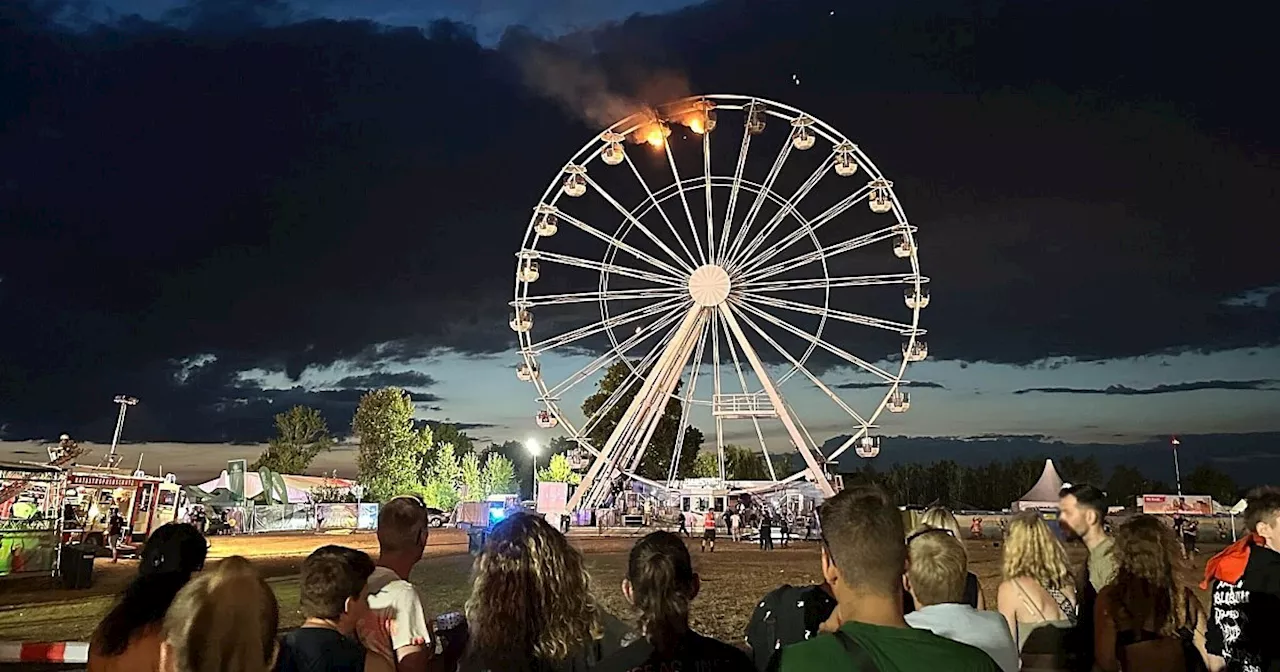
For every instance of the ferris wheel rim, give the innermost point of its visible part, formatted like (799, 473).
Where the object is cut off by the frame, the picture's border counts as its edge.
(593, 148)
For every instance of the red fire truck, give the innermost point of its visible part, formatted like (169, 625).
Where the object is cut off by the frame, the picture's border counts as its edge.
(145, 502)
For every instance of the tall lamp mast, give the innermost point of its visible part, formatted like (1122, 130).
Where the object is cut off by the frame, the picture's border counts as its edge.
(125, 402)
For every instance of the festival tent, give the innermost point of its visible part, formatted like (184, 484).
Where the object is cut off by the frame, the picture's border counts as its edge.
(253, 487)
(1044, 494)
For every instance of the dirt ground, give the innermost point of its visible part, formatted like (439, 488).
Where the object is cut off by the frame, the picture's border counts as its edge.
(733, 578)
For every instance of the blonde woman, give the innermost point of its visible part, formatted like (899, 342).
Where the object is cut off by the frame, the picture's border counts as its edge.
(1037, 597)
(222, 621)
(938, 518)
(531, 606)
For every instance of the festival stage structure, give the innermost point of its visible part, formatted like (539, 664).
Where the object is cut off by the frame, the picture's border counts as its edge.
(730, 245)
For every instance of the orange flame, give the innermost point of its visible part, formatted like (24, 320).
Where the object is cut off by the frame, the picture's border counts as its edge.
(697, 125)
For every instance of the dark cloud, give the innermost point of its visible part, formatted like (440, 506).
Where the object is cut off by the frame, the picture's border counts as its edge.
(1122, 390)
(877, 386)
(324, 191)
(405, 379)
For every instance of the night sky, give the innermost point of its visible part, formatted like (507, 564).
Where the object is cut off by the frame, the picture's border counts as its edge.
(225, 208)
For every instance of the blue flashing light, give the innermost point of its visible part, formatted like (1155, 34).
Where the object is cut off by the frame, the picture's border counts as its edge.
(497, 512)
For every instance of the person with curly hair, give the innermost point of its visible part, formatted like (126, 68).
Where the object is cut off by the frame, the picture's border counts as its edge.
(1037, 596)
(660, 584)
(1148, 618)
(531, 608)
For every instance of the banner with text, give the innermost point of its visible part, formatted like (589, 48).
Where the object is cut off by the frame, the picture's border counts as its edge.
(1187, 505)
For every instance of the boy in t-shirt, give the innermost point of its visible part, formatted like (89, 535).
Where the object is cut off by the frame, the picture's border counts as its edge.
(334, 597)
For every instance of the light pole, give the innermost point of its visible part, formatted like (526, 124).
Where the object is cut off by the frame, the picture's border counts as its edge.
(532, 446)
(125, 402)
(1177, 473)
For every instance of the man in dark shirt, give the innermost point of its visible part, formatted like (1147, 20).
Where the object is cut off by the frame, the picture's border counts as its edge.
(1245, 578)
(334, 596)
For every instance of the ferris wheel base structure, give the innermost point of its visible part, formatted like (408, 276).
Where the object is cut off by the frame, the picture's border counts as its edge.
(720, 284)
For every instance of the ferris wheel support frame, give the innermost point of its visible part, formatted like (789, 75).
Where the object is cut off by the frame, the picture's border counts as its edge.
(642, 414)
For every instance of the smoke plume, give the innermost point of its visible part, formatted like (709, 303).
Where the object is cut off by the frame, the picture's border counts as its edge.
(584, 89)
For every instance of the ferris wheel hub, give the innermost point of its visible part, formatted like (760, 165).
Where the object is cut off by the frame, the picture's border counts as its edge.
(709, 285)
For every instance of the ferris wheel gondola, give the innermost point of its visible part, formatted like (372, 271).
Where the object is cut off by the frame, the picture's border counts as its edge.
(710, 315)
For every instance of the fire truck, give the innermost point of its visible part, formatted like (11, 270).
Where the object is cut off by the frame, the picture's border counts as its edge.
(144, 502)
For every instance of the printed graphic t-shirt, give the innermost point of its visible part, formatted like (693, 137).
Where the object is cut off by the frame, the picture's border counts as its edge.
(396, 618)
(1245, 615)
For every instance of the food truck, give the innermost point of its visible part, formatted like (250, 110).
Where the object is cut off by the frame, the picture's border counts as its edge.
(145, 502)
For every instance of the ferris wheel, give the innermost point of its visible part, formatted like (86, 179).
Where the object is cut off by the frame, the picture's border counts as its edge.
(720, 247)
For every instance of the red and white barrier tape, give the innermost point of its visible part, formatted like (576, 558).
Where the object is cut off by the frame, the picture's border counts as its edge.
(44, 652)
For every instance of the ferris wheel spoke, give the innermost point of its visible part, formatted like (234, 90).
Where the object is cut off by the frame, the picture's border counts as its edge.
(706, 187)
(803, 371)
(814, 224)
(626, 247)
(678, 449)
(844, 316)
(835, 350)
(631, 378)
(599, 327)
(614, 354)
(715, 391)
(788, 208)
(841, 281)
(592, 264)
(733, 195)
(653, 200)
(741, 237)
(595, 297)
(742, 379)
(635, 221)
(827, 252)
(684, 201)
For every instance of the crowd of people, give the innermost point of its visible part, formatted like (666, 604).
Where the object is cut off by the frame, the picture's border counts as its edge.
(891, 600)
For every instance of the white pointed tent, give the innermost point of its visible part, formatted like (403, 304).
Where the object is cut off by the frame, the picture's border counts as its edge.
(1044, 494)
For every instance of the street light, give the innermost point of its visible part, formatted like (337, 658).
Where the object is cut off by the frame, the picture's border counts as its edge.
(1177, 473)
(125, 402)
(534, 449)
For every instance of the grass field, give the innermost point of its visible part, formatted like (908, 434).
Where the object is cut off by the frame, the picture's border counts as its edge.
(733, 578)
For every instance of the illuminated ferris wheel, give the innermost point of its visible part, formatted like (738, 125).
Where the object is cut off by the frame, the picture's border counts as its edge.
(717, 288)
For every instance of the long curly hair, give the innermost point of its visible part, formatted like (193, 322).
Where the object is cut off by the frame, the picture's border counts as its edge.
(663, 584)
(1147, 586)
(1031, 550)
(530, 598)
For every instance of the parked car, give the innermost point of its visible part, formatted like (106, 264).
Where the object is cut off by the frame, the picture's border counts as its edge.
(436, 517)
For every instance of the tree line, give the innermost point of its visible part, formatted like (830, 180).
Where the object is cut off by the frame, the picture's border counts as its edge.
(398, 454)
(996, 485)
